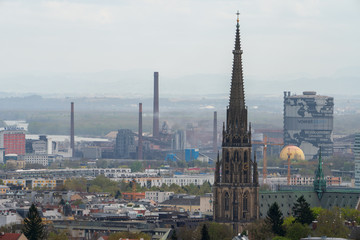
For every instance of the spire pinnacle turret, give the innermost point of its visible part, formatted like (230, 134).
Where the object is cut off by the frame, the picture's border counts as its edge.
(319, 181)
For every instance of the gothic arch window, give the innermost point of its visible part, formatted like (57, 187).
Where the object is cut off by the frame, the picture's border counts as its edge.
(246, 167)
(246, 202)
(245, 205)
(227, 201)
(235, 207)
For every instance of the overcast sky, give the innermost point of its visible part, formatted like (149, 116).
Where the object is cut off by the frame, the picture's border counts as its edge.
(98, 46)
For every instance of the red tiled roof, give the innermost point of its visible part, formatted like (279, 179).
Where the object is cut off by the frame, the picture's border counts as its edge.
(10, 236)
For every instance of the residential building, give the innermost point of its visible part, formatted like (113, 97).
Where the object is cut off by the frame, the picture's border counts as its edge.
(133, 196)
(4, 189)
(158, 196)
(12, 236)
(41, 159)
(13, 140)
(183, 203)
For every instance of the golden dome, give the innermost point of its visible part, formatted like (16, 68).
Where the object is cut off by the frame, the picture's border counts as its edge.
(296, 154)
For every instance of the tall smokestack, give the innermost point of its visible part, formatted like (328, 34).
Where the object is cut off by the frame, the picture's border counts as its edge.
(140, 144)
(215, 133)
(156, 106)
(72, 135)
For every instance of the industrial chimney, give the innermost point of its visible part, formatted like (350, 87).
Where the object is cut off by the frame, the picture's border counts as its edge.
(140, 144)
(72, 135)
(156, 106)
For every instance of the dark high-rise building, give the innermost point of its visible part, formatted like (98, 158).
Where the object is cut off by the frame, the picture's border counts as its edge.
(308, 123)
(156, 106)
(72, 130)
(236, 187)
(140, 141)
(125, 144)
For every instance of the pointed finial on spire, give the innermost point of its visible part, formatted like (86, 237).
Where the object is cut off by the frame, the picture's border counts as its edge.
(238, 13)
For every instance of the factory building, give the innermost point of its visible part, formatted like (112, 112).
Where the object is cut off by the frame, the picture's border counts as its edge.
(125, 144)
(308, 123)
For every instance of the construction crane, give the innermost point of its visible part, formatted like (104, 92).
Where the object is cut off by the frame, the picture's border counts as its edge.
(265, 143)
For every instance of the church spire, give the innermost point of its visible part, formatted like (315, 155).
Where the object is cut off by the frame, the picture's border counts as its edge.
(319, 181)
(237, 97)
(236, 133)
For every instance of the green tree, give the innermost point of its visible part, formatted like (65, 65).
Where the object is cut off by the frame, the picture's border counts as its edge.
(1, 182)
(95, 189)
(297, 231)
(102, 163)
(259, 230)
(62, 202)
(316, 211)
(136, 166)
(33, 227)
(204, 233)
(76, 184)
(302, 211)
(280, 238)
(288, 221)
(218, 231)
(350, 214)
(275, 219)
(173, 235)
(77, 202)
(118, 194)
(58, 236)
(331, 224)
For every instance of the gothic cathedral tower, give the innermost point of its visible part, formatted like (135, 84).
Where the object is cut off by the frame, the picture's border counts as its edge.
(236, 187)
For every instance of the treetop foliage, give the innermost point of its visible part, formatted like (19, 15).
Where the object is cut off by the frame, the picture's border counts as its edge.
(104, 184)
(302, 211)
(33, 227)
(275, 219)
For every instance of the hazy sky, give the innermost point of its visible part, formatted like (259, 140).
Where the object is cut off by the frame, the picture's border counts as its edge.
(99, 46)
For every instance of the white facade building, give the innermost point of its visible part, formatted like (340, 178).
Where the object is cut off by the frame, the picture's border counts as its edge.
(158, 196)
(41, 159)
(9, 217)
